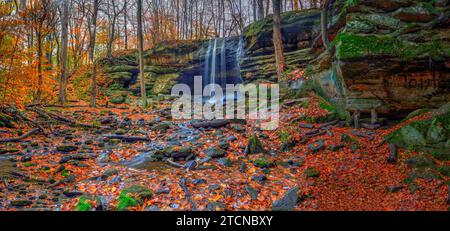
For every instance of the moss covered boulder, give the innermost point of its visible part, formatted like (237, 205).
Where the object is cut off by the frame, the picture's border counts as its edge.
(133, 196)
(431, 135)
(254, 146)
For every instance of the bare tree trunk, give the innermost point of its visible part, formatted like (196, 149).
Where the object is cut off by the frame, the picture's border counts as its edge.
(392, 154)
(224, 19)
(141, 53)
(255, 15)
(260, 9)
(277, 39)
(324, 24)
(64, 37)
(40, 77)
(92, 54)
(295, 4)
(125, 23)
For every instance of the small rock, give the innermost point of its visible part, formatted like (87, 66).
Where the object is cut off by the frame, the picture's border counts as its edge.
(70, 179)
(26, 159)
(21, 203)
(212, 206)
(288, 202)
(125, 123)
(115, 180)
(231, 138)
(318, 146)
(140, 123)
(312, 173)
(67, 148)
(254, 146)
(163, 191)
(199, 181)
(243, 167)
(214, 187)
(153, 208)
(252, 192)
(215, 152)
(108, 173)
(394, 189)
(225, 162)
(261, 178)
(224, 145)
(336, 147)
(72, 194)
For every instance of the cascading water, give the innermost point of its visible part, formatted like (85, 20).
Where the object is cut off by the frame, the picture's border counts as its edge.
(239, 55)
(212, 78)
(206, 69)
(223, 64)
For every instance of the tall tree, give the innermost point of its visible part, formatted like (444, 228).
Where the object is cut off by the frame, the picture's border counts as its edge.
(324, 24)
(113, 12)
(296, 5)
(260, 7)
(64, 42)
(277, 39)
(141, 53)
(41, 16)
(125, 23)
(93, 35)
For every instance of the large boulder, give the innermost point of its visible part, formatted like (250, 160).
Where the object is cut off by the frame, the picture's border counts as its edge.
(390, 55)
(431, 135)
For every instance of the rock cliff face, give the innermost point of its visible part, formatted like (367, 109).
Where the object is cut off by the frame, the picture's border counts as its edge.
(170, 63)
(178, 62)
(299, 30)
(388, 55)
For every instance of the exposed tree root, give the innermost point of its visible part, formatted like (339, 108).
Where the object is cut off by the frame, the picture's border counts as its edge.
(18, 139)
(129, 139)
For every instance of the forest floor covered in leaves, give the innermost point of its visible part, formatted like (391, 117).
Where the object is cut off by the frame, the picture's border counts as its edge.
(131, 159)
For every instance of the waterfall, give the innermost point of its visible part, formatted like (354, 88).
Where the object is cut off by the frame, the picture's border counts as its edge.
(212, 77)
(239, 55)
(223, 64)
(206, 73)
(214, 68)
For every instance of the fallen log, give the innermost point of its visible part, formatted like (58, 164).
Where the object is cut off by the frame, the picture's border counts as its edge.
(60, 118)
(332, 123)
(211, 124)
(188, 195)
(173, 163)
(18, 139)
(308, 126)
(315, 133)
(129, 139)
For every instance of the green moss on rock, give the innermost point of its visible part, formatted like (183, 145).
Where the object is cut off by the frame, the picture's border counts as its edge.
(312, 173)
(254, 146)
(121, 68)
(83, 205)
(164, 83)
(133, 196)
(351, 46)
(263, 162)
(427, 135)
